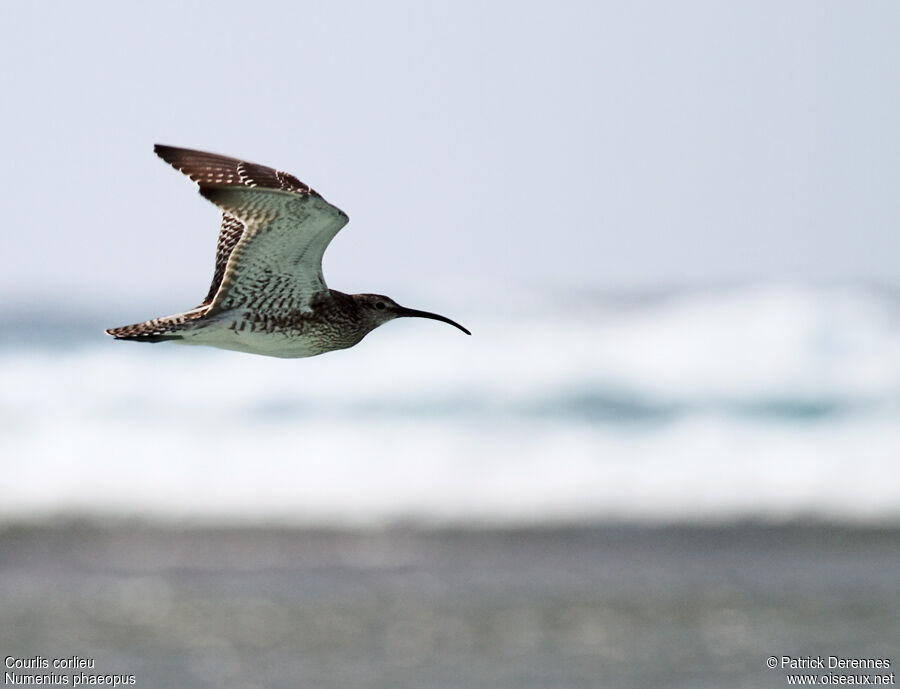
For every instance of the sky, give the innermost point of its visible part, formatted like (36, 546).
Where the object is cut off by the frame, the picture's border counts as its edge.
(585, 145)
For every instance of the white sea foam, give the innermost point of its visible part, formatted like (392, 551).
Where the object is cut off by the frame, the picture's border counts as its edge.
(769, 402)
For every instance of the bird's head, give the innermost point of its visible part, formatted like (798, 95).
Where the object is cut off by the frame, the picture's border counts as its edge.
(378, 309)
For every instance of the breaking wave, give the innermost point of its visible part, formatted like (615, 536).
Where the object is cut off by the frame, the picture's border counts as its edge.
(762, 402)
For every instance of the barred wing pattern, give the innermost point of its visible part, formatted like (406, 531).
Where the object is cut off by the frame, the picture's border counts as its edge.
(276, 266)
(231, 232)
(211, 170)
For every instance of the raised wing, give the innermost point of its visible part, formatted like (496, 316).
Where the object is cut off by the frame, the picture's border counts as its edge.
(276, 266)
(212, 170)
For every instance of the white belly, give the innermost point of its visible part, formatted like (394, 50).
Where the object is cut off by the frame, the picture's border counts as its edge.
(225, 332)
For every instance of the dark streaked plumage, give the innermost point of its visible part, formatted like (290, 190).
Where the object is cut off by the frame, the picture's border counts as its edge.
(268, 295)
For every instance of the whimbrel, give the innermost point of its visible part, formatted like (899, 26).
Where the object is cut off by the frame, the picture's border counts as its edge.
(268, 295)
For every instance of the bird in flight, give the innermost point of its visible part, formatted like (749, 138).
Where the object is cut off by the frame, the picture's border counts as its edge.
(268, 295)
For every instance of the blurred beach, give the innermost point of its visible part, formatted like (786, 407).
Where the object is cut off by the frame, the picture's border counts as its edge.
(668, 607)
(640, 490)
(668, 455)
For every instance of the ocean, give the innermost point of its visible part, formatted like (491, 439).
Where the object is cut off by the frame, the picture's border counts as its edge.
(594, 490)
(766, 402)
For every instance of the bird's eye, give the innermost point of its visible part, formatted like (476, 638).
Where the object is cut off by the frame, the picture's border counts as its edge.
(380, 305)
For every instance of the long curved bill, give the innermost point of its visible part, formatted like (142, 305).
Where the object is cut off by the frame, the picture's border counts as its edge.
(415, 313)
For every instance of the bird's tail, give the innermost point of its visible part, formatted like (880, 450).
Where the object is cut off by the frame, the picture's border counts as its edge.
(161, 329)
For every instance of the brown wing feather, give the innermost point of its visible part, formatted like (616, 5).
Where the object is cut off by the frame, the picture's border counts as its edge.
(158, 329)
(213, 170)
(229, 235)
